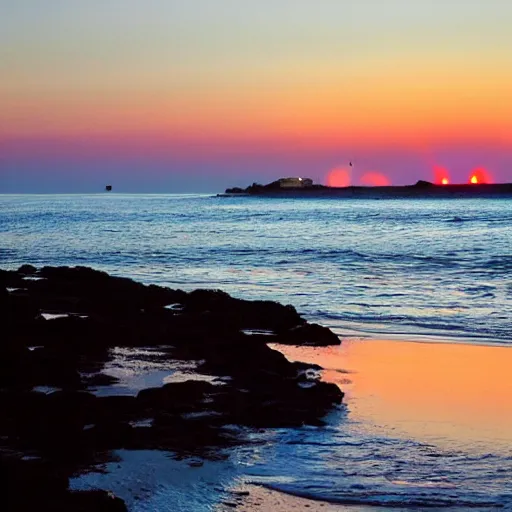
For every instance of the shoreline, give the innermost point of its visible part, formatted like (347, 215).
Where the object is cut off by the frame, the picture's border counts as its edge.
(378, 405)
(62, 328)
(265, 499)
(342, 331)
(447, 392)
(247, 495)
(436, 339)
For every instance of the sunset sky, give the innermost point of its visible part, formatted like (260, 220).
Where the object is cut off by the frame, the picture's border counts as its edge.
(199, 95)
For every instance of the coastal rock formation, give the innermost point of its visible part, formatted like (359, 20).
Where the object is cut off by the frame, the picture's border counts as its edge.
(421, 189)
(61, 326)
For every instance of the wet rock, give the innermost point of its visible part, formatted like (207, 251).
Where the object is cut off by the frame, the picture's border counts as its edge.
(40, 485)
(309, 334)
(27, 270)
(115, 408)
(179, 397)
(19, 309)
(112, 435)
(99, 379)
(242, 314)
(98, 501)
(29, 485)
(68, 429)
(97, 292)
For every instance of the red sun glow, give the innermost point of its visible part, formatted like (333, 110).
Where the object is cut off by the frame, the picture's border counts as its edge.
(375, 179)
(339, 177)
(480, 175)
(441, 175)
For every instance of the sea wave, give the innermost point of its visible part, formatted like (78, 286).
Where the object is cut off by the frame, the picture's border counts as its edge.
(345, 465)
(388, 266)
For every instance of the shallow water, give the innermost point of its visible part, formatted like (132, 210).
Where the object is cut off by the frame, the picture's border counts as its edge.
(425, 424)
(432, 446)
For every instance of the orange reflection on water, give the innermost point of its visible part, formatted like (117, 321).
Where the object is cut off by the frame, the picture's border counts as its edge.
(434, 392)
(480, 175)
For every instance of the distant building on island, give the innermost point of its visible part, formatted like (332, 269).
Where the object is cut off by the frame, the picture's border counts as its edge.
(304, 187)
(108, 188)
(288, 184)
(295, 182)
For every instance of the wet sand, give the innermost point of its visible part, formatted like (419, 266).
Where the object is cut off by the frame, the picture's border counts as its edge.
(263, 499)
(267, 500)
(452, 395)
(442, 393)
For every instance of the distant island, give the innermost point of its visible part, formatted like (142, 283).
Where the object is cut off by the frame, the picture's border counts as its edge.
(304, 187)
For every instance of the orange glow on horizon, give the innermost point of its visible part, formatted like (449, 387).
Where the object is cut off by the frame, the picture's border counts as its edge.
(480, 175)
(432, 111)
(375, 179)
(339, 177)
(441, 175)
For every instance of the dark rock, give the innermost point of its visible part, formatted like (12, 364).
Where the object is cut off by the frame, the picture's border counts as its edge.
(38, 485)
(245, 358)
(115, 408)
(70, 429)
(20, 309)
(11, 279)
(28, 270)
(179, 396)
(29, 485)
(97, 292)
(110, 436)
(99, 379)
(97, 501)
(309, 334)
(242, 314)
(423, 184)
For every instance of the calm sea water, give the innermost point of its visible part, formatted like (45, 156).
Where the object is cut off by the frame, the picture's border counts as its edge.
(414, 267)
(439, 269)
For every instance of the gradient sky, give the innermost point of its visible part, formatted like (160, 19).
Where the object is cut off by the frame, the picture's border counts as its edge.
(199, 95)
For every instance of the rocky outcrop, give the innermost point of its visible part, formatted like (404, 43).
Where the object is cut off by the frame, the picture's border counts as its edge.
(421, 189)
(59, 327)
(29, 485)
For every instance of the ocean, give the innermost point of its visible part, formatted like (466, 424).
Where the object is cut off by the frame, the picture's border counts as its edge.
(421, 269)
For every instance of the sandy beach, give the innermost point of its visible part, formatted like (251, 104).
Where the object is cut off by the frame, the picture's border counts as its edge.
(439, 392)
(263, 499)
(451, 395)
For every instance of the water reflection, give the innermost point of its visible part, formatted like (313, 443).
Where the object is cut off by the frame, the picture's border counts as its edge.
(452, 395)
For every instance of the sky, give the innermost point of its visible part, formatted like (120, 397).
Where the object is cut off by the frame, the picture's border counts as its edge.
(200, 95)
